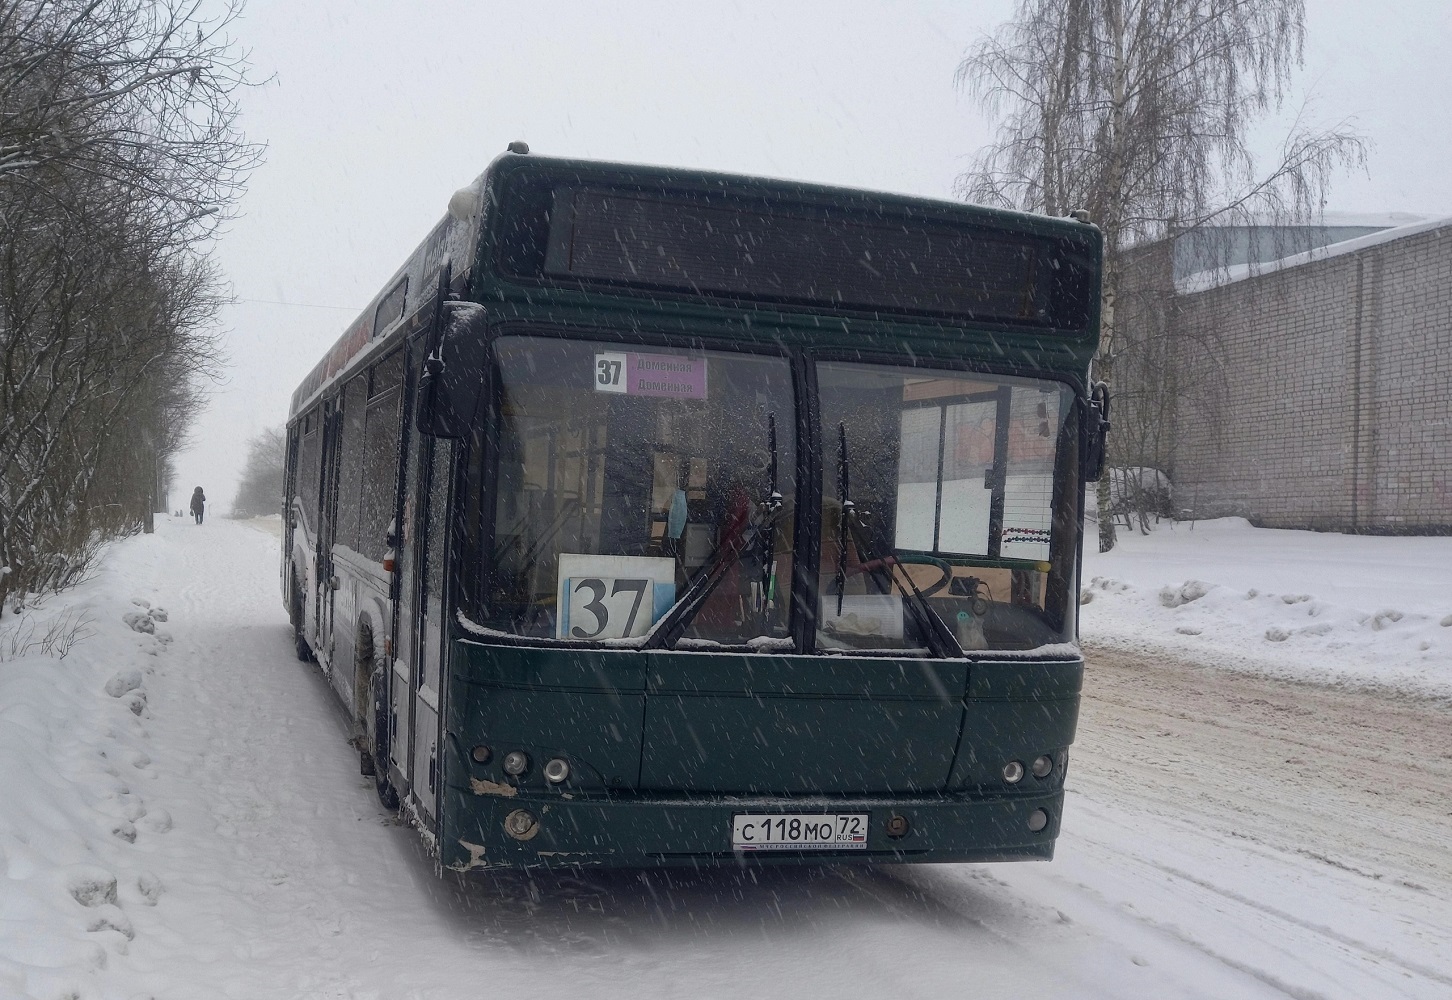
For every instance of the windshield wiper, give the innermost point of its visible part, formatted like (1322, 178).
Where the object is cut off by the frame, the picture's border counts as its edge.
(768, 532)
(941, 641)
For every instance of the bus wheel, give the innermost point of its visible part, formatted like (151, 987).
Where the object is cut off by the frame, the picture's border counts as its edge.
(378, 739)
(295, 612)
(363, 696)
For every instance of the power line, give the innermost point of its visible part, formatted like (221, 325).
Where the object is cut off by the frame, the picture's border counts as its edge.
(301, 305)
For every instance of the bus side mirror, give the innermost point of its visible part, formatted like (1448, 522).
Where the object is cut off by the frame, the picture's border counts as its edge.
(446, 398)
(1096, 432)
(430, 416)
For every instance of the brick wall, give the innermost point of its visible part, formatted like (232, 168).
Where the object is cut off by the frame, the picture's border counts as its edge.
(1320, 396)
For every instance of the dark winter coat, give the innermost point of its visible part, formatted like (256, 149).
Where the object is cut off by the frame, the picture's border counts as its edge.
(199, 501)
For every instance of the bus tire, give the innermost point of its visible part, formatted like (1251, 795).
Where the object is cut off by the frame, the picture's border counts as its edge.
(295, 612)
(378, 741)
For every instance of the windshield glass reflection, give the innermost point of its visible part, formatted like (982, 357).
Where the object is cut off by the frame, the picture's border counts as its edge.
(951, 505)
(624, 477)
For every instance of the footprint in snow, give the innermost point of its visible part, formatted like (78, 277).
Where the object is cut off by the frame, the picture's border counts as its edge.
(123, 682)
(92, 887)
(150, 888)
(139, 621)
(110, 918)
(1384, 618)
(1187, 593)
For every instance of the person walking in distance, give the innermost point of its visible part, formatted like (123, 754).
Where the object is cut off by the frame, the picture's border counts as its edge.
(199, 503)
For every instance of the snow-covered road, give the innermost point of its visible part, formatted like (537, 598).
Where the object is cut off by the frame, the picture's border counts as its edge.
(1225, 836)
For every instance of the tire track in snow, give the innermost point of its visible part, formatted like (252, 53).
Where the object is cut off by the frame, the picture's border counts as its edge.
(1318, 929)
(1269, 804)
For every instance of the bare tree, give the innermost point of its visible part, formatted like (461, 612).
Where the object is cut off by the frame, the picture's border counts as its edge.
(1138, 111)
(140, 92)
(119, 156)
(260, 488)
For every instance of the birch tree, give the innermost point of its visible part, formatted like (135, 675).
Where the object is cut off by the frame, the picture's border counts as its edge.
(1138, 111)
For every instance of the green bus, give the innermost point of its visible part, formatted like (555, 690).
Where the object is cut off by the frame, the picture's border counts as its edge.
(661, 517)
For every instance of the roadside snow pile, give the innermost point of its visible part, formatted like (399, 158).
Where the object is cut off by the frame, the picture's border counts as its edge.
(73, 776)
(1356, 609)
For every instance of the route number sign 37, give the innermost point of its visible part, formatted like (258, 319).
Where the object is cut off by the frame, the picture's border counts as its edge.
(612, 597)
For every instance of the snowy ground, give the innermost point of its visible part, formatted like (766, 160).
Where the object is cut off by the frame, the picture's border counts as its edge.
(183, 819)
(1356, 609)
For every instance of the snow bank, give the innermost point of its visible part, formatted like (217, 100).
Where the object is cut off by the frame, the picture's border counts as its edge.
(1351, 609)
(74, 771)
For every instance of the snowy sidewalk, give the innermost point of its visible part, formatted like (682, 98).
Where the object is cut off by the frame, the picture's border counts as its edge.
(189, 787)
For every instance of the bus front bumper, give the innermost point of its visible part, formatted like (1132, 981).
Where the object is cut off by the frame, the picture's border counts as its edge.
(649, 831)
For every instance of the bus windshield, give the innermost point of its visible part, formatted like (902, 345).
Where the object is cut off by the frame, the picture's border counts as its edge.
(625, 473)
(942, 495)
(629, 479)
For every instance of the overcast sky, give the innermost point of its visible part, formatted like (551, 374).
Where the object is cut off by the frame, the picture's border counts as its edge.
(376, 112)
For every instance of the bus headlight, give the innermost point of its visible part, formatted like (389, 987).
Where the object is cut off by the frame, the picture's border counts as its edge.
(1012, 771)
(516, 762)
(1038, 819)
(1043, 766)
(556, 770)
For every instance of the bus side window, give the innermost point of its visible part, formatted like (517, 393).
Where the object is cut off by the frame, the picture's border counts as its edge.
(380, 457)
(309, 468)
(350, 462)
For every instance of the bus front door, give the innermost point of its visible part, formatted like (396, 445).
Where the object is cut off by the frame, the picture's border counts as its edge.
(327, 518)
(417, 668)
(433, 548)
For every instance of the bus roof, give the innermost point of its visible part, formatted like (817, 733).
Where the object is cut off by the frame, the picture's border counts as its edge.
(775, 189)
(456, 238)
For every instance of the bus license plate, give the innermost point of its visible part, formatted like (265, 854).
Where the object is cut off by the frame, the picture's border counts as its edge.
(799, 832)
